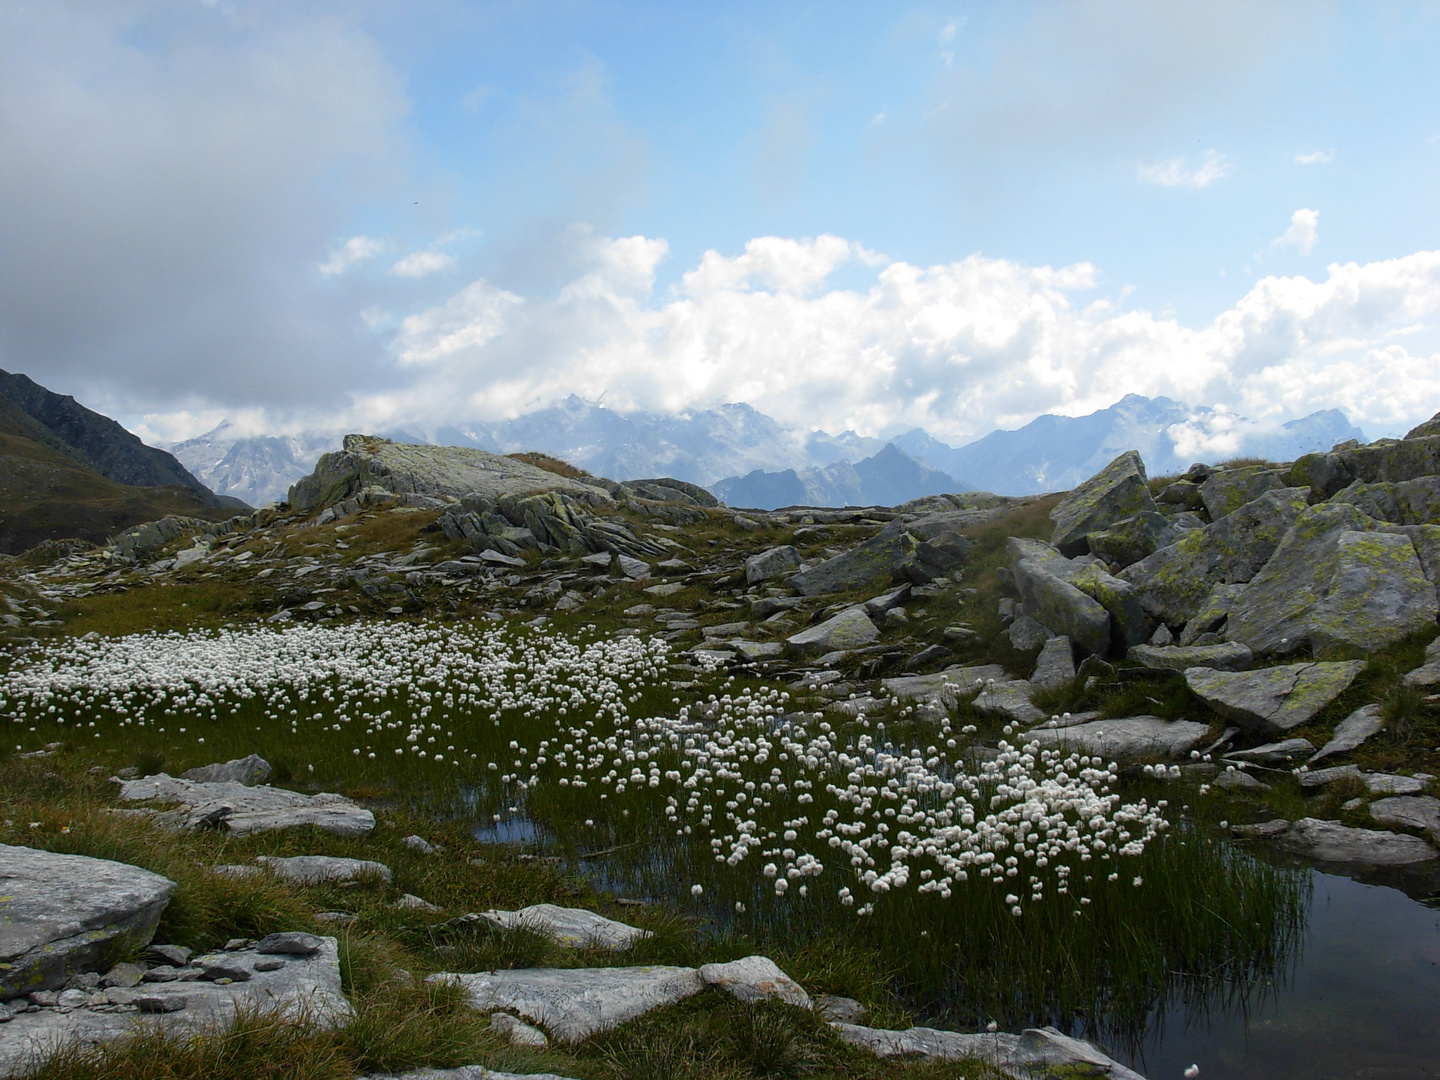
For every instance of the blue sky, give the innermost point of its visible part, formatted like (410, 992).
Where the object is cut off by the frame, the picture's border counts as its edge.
(304, 214)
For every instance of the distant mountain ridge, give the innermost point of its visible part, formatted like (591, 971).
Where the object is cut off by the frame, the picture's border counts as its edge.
(750, 459)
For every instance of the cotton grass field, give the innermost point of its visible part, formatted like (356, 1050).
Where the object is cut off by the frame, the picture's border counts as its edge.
(1021, 886)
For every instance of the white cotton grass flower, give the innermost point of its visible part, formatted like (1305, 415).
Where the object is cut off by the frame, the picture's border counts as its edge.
(762, 793)
(1192, 1072)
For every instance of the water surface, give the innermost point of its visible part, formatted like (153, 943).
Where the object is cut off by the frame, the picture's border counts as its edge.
(1361, 1001)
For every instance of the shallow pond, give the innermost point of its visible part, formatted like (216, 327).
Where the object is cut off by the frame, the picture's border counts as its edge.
(1361, 1000)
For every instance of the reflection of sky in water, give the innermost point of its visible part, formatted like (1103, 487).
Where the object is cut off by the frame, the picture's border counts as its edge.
(1363, 1000)
(510, 830)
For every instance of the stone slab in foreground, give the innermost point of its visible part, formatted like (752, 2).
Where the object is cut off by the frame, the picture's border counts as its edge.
(64, 914)
(306, 986)
(1035, 1054)
(573, 1004)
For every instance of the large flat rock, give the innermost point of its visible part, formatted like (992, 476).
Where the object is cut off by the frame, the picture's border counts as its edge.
(1329, 841)
(573, 1004)
(1226, 656)
(65, 914)
(1034, 1054)
(1420, 812)
(240, 809)
(574, 927)
(1275, 699)
(306, 986)
(1134, 738)
(1351, 732)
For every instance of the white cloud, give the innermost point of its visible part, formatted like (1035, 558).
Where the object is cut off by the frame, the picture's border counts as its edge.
(420, 264)
(1314, 157)
(1303, 233)
(356, 249)
(958, 348)
(1176, 172)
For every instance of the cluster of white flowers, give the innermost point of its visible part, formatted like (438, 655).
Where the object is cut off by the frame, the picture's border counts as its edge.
(736, 774)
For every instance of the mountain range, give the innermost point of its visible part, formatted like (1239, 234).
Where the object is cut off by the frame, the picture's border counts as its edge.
(749, 459)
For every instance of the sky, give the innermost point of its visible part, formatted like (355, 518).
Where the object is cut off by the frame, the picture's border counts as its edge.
(371, 216)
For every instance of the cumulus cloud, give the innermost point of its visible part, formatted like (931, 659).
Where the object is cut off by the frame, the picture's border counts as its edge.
(1314, 157)
(356, 249)
(420, 264)
(1303, 234)
(958, 348)
(1177, 172)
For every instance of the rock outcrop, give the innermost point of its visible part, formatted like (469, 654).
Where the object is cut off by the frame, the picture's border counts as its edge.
(1276, 699)
(64, 914)
(438, 472)
(241, 809)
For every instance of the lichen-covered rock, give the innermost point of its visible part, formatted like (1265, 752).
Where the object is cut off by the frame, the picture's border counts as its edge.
(1337, 585)
(1130, 623)
(1226, 490)
(1009, 698)
(1426, 429)
(61, 915)
(1176, 580)
(1116, 492)
(1386, 460)
(884, 556)
(850, 629)
(1027, 635)
(1407, 502)
(1212, 613)
(1227, 656)
(776, 562)
(1272, 700)
(1062, 607)
(1134, 538)
(438, 471)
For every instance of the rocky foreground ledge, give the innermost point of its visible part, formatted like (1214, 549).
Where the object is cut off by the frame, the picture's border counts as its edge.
(65, 914)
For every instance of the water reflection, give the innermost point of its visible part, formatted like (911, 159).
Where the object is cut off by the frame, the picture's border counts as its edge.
(1362, 1000)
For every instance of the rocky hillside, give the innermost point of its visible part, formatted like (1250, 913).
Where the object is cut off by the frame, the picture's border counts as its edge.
(95, 441)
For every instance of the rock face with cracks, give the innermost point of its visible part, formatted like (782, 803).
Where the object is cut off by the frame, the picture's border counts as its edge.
(1273, 700)
(63, 914)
